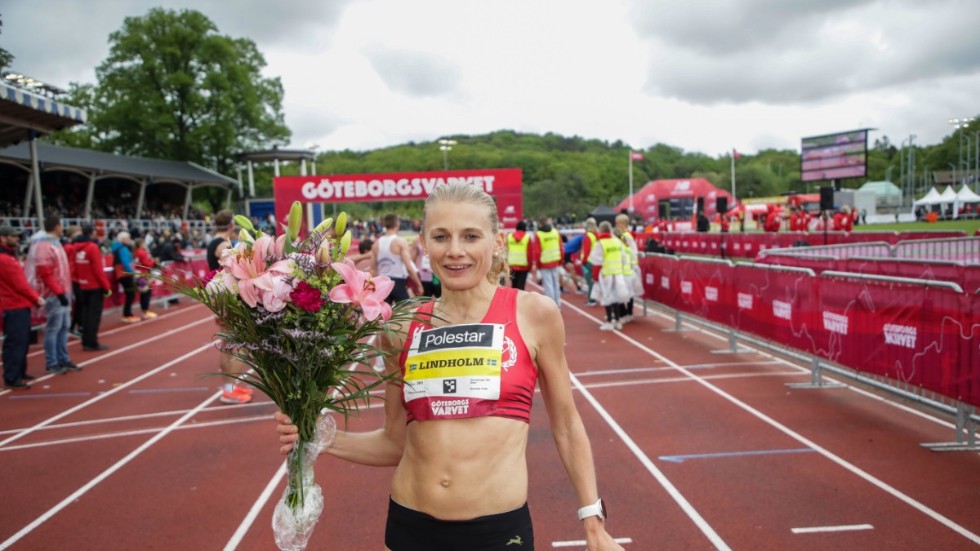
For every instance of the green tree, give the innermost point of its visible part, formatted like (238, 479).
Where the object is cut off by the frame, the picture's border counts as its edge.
(174, 88)
(6, 58)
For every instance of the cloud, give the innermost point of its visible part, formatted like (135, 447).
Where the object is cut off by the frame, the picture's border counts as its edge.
(790, 53)
(415, 73)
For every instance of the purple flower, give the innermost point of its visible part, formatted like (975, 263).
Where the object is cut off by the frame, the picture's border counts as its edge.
(307, 297)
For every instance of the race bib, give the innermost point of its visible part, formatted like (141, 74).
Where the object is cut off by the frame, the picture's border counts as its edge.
(454, 368)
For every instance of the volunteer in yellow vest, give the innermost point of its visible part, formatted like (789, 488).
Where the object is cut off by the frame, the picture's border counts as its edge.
(631, 272)
(547, 252)
(610, 288)
(588, 243)
(518, 255)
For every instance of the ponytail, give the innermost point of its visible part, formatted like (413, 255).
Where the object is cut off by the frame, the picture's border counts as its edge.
(498, 268)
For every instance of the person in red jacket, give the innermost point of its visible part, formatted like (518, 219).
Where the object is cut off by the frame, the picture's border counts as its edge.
(143, 263)
(17, 297)
(88, 272)
(47, 269)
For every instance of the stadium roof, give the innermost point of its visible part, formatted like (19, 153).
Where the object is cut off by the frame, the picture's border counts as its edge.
(22, 112)
(157, 170)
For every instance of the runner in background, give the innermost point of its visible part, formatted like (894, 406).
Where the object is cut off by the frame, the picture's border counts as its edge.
(224, 237)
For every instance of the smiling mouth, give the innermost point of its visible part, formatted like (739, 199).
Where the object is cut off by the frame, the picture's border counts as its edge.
(456, 267)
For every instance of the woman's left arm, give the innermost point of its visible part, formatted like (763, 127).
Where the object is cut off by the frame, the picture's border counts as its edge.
(544, 333)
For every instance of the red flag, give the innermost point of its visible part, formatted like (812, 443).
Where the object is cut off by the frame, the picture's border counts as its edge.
(736, 154)
(634, 156)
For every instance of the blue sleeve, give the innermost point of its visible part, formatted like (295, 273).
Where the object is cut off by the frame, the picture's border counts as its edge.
(126, 259)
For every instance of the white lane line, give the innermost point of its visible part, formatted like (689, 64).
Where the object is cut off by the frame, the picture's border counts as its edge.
(118, 465)
(119, 388)
(806, 370)
(820, 529)
(921, 507)
(581, 543)
(125, 418)
(136, 432)
(253, 513)
(118, 351)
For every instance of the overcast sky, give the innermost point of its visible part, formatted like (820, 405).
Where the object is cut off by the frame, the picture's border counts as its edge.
(702, 75)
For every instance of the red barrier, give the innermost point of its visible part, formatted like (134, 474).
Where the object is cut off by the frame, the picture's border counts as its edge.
(777, 303)
(918, 333)
(909, 332)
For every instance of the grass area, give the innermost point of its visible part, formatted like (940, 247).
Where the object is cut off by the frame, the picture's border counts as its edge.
(969, 226)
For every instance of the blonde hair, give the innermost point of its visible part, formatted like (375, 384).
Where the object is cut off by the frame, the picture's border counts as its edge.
(473, 195)
(590, 224)
(622, 219)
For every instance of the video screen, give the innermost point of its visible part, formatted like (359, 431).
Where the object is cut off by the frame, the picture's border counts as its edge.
(834, 156)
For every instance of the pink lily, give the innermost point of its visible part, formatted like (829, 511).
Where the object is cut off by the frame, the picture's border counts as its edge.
(362, 290)
(249, 267)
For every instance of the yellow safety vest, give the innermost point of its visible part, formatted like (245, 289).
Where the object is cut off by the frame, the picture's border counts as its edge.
(627, 260)
(593, 239)
(517, 250)
(550, 246)
(612, 256)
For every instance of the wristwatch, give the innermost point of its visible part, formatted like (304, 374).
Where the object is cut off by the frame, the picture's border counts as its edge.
(597, 509)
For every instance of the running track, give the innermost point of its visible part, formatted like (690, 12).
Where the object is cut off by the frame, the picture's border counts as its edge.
(694, 450)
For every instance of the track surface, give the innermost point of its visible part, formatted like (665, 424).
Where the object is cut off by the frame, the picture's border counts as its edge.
(694, 450)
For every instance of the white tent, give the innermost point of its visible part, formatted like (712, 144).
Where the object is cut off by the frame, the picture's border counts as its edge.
(966, 195)
(931, 198)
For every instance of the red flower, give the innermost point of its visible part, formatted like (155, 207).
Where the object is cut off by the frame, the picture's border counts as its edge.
(307, 297)
(208, 277)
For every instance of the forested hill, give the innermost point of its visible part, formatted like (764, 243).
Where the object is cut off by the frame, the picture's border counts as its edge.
(573, 174)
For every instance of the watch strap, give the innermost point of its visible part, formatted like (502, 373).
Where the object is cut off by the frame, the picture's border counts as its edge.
(594, 510)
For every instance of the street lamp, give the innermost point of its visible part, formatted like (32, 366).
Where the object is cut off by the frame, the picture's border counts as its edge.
(958, 124)
(446, 146)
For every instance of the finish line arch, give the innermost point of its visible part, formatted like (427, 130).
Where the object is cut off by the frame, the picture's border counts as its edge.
(504, 184)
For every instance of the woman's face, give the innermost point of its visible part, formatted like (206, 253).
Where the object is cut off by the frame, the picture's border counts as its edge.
(460, 243)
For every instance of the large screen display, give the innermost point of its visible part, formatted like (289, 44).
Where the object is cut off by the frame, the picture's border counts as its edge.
(834, 156)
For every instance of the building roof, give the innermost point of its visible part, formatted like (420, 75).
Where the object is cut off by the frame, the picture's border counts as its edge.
(883, 187)
(22, 112)
(157, 170)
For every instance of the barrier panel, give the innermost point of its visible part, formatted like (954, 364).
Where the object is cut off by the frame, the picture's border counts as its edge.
(816, 263)
(916, 332)
(705, 289)
(776, 303)
(964, 249)
(911, 331)
(660, 280)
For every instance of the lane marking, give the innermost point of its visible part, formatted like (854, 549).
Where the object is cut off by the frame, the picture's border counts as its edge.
(52, 395)
(581, 543)
(921, 507)
(687, 380)
(820, 529)
(806, 370)
(167, 390)
(125, 418)
(118, 351)
(635, 370)
(119, 464)
(683, 458)
(75, 340)
(118, 388)
(135, 432)
(253, 513)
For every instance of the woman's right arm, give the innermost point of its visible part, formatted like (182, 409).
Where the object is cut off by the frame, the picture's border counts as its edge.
(379, 448)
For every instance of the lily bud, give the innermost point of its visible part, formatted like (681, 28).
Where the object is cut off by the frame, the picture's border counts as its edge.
(323, 253)
(323, 226)
(344, 244)
(341, 226)
(244, 236)
(295, 218)
(244, 223)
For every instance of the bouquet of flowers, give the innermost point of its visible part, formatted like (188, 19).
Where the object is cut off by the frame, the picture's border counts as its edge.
(303, 319)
